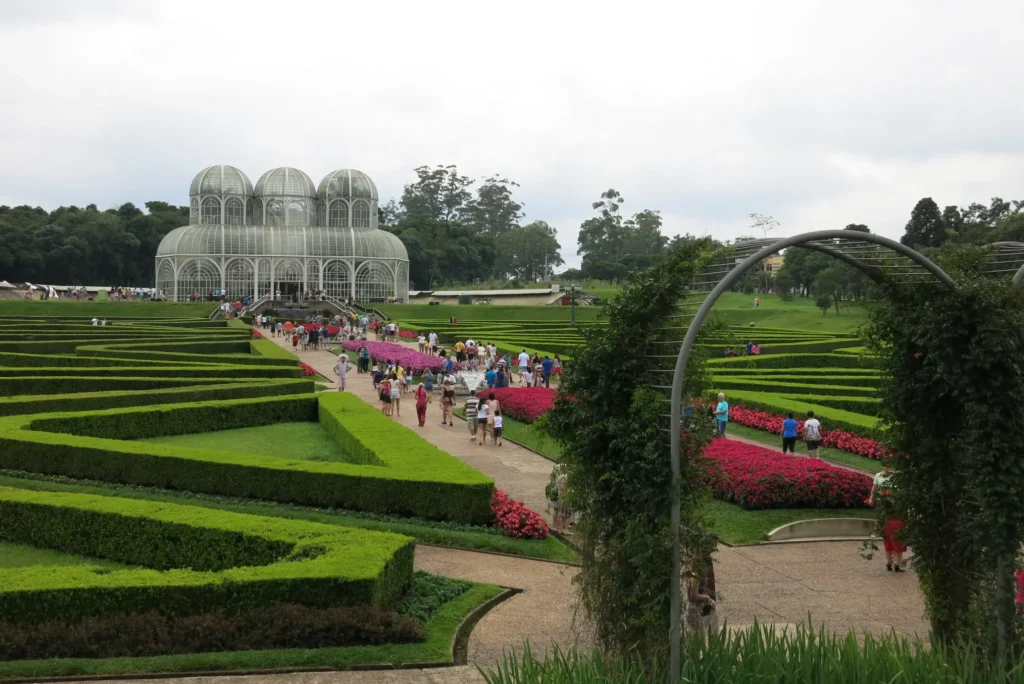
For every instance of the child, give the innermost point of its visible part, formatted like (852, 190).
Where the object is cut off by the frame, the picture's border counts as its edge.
(497, 427)
(295, 340)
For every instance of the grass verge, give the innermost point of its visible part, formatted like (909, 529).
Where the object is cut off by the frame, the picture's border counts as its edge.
(436, 649)
(735, 525)
(529, 436)
(22, 556)
(452, 535)
(836, 456)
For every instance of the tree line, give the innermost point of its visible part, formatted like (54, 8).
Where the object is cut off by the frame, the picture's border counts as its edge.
(455, 231)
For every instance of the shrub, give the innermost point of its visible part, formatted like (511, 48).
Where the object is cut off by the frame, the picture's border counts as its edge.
(838, 439)
(416, 479)
(210, 559)
(283, 625)
(525, 404)
(516, 519)
(428, 593)
(756, 478)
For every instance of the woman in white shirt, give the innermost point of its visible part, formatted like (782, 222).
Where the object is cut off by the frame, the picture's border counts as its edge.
(812, 433)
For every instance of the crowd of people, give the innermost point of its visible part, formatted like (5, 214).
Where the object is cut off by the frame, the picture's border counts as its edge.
(752, 348)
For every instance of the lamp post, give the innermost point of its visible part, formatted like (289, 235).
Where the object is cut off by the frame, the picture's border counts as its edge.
(572, 301)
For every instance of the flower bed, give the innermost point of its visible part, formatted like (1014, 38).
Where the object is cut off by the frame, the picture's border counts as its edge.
(755, 478)
(307, 370)
(838, 439)
(256, 334)
(516, 519)
(526, 404)
(396, 353)
(408, 334)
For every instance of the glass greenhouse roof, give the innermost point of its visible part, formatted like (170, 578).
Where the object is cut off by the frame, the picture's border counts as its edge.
(286, 241)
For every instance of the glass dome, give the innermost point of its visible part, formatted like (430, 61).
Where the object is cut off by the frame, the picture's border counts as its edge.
(347, 184)
(284, 240)
(220, 180)
(216, 240)
(285, 181)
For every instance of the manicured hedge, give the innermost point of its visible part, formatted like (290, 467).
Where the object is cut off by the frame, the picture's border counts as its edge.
(830, 417)
(822, 388)
(67, 384)
(794, 361)
(238, 561)
(219, 371)
(222, 389)
(414, 478)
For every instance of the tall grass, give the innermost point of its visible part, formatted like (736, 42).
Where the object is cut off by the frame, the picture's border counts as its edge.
(759, 654)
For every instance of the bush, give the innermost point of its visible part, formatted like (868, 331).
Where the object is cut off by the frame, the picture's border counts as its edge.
(416, 479)
(133, 635)
(794, 361)
(202, 559)
(756, 478)
(516, 519)
(428, 593)
(525, 404)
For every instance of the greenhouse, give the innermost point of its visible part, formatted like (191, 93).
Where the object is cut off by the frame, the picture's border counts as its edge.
(284, 236)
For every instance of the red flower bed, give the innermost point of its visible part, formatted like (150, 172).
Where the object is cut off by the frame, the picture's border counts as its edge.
(408, 334)
(1020, 591)
(307, 370)
(525, 403)
(755, 478)
(837, 439)
(256, 334)
(516, 519)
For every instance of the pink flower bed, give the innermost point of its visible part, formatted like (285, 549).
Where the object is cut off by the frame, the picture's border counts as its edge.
(386, 351)
(755, 478)
(516, 519)
(837, 439)
(525, 403)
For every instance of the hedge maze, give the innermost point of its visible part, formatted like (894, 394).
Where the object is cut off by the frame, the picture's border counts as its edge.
(74, 397)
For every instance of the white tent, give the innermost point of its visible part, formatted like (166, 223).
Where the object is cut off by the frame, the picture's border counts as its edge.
(4, 285)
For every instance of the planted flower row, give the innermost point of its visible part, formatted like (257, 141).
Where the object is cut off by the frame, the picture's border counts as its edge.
(756, 478)
(837, 439)
(525, 404)
(396, 353)
(516, 519)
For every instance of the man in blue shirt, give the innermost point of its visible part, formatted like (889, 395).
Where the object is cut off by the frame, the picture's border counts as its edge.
(547, 364)
(448, 365)
(722, 414)
(789, 434)
(489, 376)
(750, 348)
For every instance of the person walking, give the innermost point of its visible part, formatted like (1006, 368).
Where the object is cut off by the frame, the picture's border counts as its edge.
(547, 365)
(812, 433)
(722, 414)
(385, 396)
(881, 490)
(421, 404)
(789, 434)
(341, 369)
(524, 364)
(483, 413)
(428, 385)
(447, 399)
(471, 409)
(396, 395)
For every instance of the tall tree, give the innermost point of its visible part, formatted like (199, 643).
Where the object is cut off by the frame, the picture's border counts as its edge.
(925, 227)
(438, 194)
(494, 211)
(530, 252)
(612, 246)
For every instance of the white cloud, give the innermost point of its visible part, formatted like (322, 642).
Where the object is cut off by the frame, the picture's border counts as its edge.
(819, 114)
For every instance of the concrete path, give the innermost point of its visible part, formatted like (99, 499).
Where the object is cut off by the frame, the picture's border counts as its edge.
(520, 473)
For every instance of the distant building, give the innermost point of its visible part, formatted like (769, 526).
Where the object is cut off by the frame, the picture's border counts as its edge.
(285, 235)
(553, 295)
(773, 263)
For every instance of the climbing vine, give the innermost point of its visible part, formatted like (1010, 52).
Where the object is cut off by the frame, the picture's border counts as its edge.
(952, 408)
(609, 421)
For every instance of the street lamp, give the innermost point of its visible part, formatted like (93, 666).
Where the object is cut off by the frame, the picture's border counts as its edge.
(572, 301)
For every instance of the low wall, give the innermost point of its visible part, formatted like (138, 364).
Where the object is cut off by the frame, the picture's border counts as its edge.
(827, 528)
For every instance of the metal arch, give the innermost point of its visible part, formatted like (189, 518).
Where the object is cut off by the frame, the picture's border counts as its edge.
(1018, 276)
(675, 631)
(870, 271)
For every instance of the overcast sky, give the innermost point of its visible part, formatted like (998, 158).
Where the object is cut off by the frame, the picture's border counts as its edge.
(821, 114)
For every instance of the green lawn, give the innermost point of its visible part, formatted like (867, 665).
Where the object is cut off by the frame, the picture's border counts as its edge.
(800, 313)
(827, 453)
(296, 441)
(735, 525)
(107, 309)
(21, 556)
